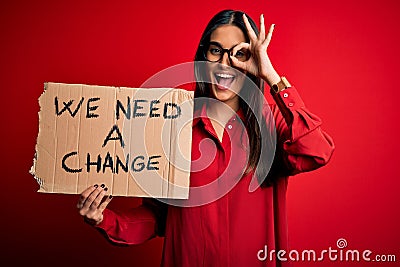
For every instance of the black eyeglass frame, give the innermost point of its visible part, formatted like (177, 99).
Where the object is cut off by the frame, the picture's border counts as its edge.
(224, 50)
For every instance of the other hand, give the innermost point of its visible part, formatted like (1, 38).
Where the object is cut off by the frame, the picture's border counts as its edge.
(92, 202)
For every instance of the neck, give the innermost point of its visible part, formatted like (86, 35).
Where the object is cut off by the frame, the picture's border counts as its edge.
(222, 111)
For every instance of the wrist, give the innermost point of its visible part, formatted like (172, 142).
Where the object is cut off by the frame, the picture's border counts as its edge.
(271, 77)
(93, 222)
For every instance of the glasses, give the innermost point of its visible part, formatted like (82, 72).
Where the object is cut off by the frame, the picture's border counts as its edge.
(215, 53)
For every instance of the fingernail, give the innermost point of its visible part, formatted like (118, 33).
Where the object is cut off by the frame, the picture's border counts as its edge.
(105, 189)
(96, 185)
(110, 197)
(102, 185)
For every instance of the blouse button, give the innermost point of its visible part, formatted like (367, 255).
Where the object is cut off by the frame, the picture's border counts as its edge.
(229, 126)
(290, 104)
(285, 95)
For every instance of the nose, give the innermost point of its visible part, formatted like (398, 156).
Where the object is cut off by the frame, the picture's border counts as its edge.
(225, 59)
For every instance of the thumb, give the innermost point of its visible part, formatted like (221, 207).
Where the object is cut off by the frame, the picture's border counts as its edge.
(239, 64)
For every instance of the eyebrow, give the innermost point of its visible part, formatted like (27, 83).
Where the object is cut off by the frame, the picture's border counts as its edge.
(218, 44)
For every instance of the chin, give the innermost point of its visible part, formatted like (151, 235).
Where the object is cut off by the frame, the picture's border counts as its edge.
(222, 94)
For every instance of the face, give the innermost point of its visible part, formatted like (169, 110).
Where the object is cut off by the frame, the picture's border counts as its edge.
(226, 81)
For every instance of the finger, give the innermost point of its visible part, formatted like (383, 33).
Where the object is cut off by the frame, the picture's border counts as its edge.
(250, 31)
(105, 203)
(269, 35)
(91, 198)
(240, 46)
(262, 28)
(85, 194)
(97, 201)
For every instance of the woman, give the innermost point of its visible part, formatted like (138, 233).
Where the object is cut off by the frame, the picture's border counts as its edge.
(233, 228)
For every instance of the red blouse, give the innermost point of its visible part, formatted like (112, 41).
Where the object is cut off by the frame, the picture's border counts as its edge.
(231, 230)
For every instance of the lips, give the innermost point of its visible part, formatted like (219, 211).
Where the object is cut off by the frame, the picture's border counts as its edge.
(224, 80)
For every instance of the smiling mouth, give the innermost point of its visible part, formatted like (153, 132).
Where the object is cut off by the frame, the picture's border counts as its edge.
(224, 80)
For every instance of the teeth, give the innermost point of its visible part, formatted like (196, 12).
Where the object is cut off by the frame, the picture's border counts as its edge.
(224, 75)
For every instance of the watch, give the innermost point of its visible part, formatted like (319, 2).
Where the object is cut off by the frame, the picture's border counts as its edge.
(281, 85)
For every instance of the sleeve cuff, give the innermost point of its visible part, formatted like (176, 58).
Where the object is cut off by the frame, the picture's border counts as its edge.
(108, 220)
(290, 99)
(298, 119)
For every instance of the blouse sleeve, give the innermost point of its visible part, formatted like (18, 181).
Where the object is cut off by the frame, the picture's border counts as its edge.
(302, 144)
(136, 225)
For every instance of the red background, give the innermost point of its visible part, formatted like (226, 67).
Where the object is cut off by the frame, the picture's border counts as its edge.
(342, 56)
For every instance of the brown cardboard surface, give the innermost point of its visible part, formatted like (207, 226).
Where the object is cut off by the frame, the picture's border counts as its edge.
(91, 135)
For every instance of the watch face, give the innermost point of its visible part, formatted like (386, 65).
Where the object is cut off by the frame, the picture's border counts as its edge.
(275, 88)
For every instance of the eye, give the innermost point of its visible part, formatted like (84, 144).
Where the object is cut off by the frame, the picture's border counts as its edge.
(240, 54)
(215, 50)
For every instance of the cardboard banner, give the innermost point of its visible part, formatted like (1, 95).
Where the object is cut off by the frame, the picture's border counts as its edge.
(136, 141)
